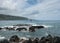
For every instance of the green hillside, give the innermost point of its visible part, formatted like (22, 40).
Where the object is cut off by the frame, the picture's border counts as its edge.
(9, 17)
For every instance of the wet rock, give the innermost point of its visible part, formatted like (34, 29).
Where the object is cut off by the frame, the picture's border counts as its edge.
(0, 28)
(29, 41)
(25, 41)
(32, 29)
(19, 29)
(4, 41)
(23, 25)
(47, 39)
(14, 38)
(56, 39)
(36, 40)
(39, 27)
(8, 28)
(42, 40)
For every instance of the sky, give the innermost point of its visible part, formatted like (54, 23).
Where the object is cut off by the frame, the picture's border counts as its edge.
(33, 9)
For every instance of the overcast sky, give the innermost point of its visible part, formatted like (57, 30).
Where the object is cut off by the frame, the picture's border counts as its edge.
(34, 9)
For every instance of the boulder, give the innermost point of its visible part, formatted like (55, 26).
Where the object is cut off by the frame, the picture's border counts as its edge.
(19, 29)
(29, 41)
(36, 40)
(14, 38)
(0, 28)
(56, 39)
(38, 27)
(4, 41)
(32, 28)
(8, 28)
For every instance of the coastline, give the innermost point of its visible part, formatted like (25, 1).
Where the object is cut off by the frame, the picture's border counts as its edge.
(45, 39)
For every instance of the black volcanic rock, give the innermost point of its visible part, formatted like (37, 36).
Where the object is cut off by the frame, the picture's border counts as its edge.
(4, 41)
(14, 38)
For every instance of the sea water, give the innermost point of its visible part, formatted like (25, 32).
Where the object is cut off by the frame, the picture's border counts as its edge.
(52, 27)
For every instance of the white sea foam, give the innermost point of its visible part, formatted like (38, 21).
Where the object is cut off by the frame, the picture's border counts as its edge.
(24, 38)
(1, 37)
(9, 26)
(28, 36)
(46, 34)
(47, 26)
(35, 25)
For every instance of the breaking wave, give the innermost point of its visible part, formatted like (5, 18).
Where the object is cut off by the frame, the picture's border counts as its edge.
(47, 26)
(1, 37)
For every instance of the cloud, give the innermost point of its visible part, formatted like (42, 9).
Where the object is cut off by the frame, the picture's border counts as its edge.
(13, 4)
(48, 10)
(8, 4)
(13, 7)
(38, 9)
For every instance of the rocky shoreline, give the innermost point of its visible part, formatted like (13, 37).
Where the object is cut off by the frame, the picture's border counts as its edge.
(19, 27)
(47, 39)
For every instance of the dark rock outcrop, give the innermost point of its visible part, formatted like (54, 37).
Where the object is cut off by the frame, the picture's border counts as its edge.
(14, 38)
(56, 39)
(47, 39)
(23, 25)
(29, 41)
(0, 28)
(38, 27)
(4, 41)
(36, 40)
(32, 28)
(19, 29)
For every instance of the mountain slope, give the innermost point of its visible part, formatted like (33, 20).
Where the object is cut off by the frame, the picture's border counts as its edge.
(9, 17)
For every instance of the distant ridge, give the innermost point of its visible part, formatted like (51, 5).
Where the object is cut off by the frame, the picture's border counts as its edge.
(9, 17)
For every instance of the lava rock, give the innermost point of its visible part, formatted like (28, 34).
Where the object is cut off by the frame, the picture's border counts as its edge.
(4, 41)
(14, 38)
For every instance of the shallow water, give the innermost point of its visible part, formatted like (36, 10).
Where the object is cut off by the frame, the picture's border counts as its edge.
(53, 28)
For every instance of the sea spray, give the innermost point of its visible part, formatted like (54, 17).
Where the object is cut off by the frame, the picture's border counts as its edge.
(1, 37)
(47, 26)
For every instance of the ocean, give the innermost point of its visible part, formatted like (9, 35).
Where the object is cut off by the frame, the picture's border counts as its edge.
(53, 28)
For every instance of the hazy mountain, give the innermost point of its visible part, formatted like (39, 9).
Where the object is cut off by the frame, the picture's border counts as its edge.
(9, 17)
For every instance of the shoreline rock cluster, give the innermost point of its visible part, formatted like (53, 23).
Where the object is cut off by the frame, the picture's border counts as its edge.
(47, 39)
(20, 27)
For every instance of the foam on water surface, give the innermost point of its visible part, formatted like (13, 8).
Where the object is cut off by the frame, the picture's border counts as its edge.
(47, 26)
(24, 38)
(1, 37)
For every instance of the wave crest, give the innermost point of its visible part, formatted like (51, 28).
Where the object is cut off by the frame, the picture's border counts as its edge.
(47, 26)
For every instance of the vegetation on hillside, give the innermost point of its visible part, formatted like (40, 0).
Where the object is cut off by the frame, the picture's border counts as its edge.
(9, 17)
